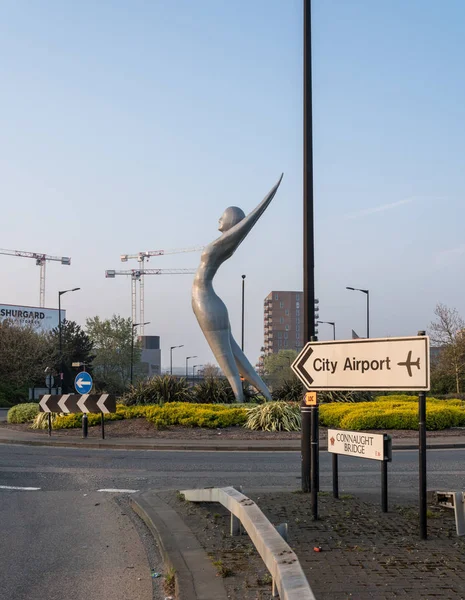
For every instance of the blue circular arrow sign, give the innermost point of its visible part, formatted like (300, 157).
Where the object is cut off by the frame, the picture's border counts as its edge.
(83, 383)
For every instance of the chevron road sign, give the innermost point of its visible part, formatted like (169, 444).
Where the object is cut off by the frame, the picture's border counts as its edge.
(365, 364)
(76, 403)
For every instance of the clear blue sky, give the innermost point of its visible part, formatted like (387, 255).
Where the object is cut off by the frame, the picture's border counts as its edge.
(128, 126)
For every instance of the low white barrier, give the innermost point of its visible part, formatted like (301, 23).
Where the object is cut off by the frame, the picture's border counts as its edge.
(280, 560)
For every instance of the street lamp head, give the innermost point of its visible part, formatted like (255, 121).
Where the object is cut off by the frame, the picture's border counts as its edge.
(243, 276)
(75, 289)
(66, 291)
(350, 288)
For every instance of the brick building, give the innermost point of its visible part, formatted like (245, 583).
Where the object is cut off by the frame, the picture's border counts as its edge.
(283, 322)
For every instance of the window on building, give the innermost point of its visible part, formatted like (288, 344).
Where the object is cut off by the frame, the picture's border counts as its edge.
(280, 343)
(297, 297)
(297, 304)
(286, 335)
(286, 312)
(281, 320)
(297, 312)
(285, 343)
(281, 305)
(287, 327)
(297, 335)
(276, 297)
(280, 335)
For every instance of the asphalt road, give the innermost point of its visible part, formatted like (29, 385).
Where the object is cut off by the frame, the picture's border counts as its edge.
(67, 539)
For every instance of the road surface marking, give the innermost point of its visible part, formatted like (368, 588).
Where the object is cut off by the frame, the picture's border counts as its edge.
(14, 487)
(115, 490)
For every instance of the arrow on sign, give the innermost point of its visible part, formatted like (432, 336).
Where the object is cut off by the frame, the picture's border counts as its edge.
(43, 403)
(82, 403)
(62, 403)
(101, 403)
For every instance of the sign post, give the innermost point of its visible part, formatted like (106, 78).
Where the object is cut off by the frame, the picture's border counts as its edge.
(422, 459)
(83, 385)
(401, 364)
(359, 444)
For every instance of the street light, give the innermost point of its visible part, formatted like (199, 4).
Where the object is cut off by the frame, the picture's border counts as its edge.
(187, 359)
(171, 356)
(134, 325)
(367, 292)
(330, 323)
(60, 294)
(193, 370)
(243, 294)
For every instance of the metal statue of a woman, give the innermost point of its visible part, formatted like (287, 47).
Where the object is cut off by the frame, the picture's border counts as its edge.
(211, 311)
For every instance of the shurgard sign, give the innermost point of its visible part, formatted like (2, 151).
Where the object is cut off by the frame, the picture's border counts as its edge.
(41, 319)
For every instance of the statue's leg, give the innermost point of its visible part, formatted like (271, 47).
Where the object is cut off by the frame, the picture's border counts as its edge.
(219, 342)
(247, 371)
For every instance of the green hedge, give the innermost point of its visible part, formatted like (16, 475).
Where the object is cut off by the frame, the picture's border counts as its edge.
(173, 413)
(23, 413)
(393, 412)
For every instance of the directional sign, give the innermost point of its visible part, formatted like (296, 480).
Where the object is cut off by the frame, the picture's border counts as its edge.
(365, 364)
(74, 403)
(83, 383)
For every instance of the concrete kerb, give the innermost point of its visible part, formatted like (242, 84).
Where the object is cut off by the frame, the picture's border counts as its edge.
(195, 575)
(279, 558)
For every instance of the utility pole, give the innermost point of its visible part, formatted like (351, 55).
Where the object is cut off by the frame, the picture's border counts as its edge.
(308, 233)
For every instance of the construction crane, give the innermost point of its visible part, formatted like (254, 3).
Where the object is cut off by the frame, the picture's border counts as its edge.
(141, 257)
(41, 260)
(137, 275)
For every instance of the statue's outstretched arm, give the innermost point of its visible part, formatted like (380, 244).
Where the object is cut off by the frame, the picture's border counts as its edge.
(234, 236)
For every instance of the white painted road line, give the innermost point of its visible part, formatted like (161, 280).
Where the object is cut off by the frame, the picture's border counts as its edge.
(117, 491)
(14, 487)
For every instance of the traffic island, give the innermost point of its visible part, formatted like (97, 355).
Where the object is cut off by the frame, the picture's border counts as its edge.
(354, 550)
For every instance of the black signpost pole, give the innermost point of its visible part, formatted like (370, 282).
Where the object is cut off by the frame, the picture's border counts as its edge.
(49, 424)
(305, 447)
(314, 462)
(422, 458)
(85, 425)
(335, 477)
(384, 486)
(103, 425)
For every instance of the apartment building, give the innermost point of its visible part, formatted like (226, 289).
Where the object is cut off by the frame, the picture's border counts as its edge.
(283, 322)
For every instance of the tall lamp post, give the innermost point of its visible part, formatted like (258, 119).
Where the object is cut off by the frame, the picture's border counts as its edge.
(367, 292)
(171, 356)
(60, 338)
(134, 325)
(187, 360)
(193, 370)
(243, 296)
(330, 323)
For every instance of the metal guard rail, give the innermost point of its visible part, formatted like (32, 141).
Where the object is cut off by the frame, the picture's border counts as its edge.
(280, 560)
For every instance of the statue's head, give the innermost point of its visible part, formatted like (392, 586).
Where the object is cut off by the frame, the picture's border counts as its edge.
(231, 216)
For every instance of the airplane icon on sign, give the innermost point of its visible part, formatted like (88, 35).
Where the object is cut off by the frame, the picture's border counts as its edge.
(409, 363)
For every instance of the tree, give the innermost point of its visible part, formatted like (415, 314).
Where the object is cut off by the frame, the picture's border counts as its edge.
(77, 347)
(448, 332)
(112, 344)
(24, 355)
(282, 361)
(210, 370)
